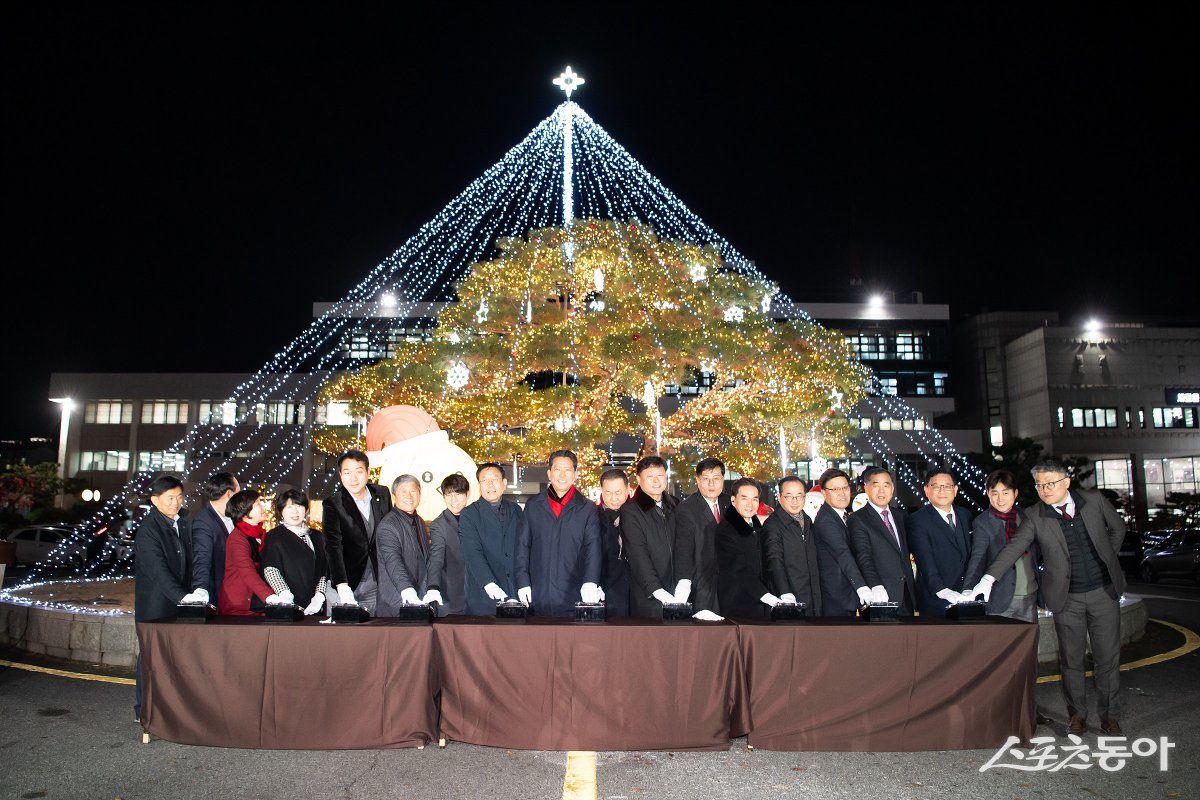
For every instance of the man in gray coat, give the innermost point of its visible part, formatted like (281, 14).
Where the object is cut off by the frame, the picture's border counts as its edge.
(1015, 593)
(401, 546)
(1078, 534)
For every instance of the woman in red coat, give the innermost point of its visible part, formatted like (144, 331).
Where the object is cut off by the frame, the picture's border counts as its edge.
(243, 591)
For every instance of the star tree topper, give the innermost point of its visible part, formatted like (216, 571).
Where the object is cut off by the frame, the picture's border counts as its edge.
(569, 81)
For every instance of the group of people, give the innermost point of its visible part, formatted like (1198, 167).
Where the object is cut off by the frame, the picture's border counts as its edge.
(721, 549)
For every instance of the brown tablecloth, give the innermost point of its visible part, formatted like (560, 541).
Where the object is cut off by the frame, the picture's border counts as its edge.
(306, 686)
(623, 685)
(919, 685)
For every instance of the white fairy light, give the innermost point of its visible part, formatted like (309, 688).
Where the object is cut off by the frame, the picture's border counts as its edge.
(734, 314)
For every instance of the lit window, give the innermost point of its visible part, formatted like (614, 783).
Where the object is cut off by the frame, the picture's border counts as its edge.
(104, 460)
(160, 461)
(1175, 417)
(108, 412)
(218, 412)
(164, 412)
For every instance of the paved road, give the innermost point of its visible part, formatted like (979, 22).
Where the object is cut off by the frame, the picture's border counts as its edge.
(66, 738)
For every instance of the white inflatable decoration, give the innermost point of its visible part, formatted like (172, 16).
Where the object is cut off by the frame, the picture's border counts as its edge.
(813, 502)
(406, 440)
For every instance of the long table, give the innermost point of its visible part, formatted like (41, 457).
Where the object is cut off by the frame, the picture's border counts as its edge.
(623, 685)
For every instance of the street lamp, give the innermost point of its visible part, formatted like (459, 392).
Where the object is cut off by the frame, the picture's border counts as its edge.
(67, 406)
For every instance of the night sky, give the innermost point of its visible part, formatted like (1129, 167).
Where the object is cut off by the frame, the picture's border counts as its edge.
(180, 185)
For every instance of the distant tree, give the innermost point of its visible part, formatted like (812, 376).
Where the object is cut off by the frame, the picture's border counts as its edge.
(1019, 456)
(24, 487)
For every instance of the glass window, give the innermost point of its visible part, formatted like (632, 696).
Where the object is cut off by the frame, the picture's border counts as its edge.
(26, 536)
(108, 412)
(104, 461)
(1175, 417)
(218, 412)
(164, 412)
(280, 413)
(1094, 417)
(160, 460)
(335, 413)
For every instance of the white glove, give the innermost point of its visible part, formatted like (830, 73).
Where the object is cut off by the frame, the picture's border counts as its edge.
(663, 596)
(683, 590)
(879, 594)
(589, 593)
(410, 597)
(707, 616)
(770, 599)
(864, 595)
(277, 600)
(525, 595)
(201, 595)
(495, 592)
(950, 596)
(315, 605)
(433, 596)
(984, 587)
(189, 599)
(345, 596)
(600, 593)
(787, 597)
(287, 597)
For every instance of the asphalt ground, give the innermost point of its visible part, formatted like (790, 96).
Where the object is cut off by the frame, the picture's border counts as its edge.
(74, 737)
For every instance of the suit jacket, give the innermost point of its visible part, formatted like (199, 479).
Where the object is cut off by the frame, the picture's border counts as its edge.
(401, 548)
(840, 576)
(1105, 528)
(648, 546)
(243, 591)
(879, 560)
(446, 571)
(349, 546)
(557, 555)
(489, 541)
(941, 554)
(791, 553)
(301, 569)
(615, 577)
(987, 540)
(208, 550)
(162, 566)
(696, 548)
(741, 567)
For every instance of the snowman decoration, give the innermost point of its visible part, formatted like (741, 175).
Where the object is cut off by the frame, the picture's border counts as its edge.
(406, 440)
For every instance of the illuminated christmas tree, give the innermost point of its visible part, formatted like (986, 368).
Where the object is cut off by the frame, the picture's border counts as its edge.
(569, 337)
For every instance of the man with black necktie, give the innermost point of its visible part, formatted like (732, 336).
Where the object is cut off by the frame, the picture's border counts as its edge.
(880, 543)
(940, 537)
(1078, 534)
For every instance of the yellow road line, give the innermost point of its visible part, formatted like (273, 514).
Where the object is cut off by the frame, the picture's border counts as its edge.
(1191, 642)
(62, 673)
(580, 781)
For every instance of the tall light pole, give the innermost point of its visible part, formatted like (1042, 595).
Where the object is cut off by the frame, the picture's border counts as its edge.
(64, 427)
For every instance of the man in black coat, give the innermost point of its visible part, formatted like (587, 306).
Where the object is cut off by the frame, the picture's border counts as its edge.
(163, 553)
(843, 589)
(614, 574)
(488, 529)
(741, 562)
(940, 537)
(646, 527)
(791, 549)
(210, 529)
(880, 543)
(349, 517)
(695, 523)
(558, 544)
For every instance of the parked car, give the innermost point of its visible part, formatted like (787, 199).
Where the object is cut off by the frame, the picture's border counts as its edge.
(34, 543)
(1153, 540)
(1177, 557)
(1130, 555)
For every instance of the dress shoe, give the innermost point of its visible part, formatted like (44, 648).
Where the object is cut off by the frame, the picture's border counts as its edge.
(1111, 727)
(1042, 719)
(1077, 726)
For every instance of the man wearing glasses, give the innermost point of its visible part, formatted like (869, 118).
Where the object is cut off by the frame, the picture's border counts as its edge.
(695, 523)
(1078, 533)
(940, 537)
(843, 589)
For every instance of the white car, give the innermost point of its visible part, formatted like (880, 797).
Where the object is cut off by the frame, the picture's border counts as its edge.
(35, 542)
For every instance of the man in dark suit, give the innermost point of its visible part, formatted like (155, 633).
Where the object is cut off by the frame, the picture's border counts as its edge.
(880, 543)
(488, 528)
(558, 544)
(741, 562)
(163, 553)
(940, 537)
(614, 574)
(1078, 534)
(210, 529)
(791, 549)
(646, 528)
(350, 516)
(1015, 593)
(402, 549)
(695, 523)
(843, 589)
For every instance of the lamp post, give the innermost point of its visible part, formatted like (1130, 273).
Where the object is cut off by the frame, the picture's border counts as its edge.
(64, 426)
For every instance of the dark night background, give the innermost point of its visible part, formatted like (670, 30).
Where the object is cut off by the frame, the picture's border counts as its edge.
(181, 184)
